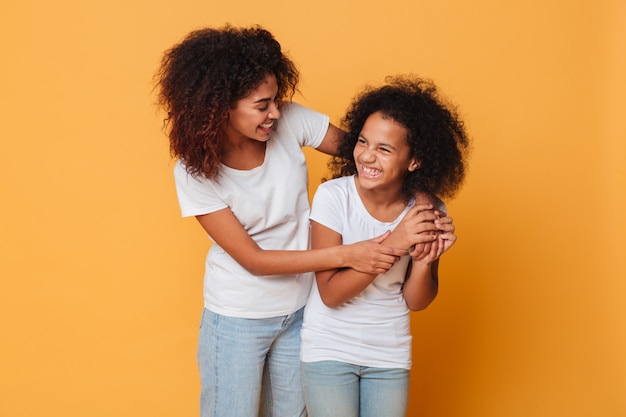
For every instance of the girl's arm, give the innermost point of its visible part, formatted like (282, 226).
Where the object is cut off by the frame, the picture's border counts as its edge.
(224, 228)
(337, 286)
(422, 282)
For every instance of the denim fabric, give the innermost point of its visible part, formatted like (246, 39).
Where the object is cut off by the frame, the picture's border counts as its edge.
(338, 389)
(250, 367)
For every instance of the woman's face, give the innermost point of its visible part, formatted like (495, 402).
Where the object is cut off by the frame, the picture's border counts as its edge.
(382, 154)
(253, 116)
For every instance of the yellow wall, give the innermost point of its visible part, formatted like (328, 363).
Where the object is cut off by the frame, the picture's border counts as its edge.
(100, 290)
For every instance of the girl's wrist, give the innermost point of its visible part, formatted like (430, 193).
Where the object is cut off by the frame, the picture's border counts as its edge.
(423, 262)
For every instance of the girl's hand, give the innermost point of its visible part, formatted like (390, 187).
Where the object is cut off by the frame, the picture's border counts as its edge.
(447, 238)
(444, 239)
(422, 250)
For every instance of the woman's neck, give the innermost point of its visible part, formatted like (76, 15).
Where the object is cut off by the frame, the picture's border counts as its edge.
(244, 155)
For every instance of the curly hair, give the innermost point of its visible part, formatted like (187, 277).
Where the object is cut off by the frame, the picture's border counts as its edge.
(201, 78)
(435, 134)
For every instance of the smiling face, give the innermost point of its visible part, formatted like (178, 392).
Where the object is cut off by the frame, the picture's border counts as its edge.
(253, 116)
(382, 154)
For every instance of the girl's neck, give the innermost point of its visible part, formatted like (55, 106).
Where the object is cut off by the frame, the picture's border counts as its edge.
(383, 205)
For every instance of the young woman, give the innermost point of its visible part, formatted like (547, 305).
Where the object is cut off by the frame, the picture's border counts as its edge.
(241, 172)
(402, 141)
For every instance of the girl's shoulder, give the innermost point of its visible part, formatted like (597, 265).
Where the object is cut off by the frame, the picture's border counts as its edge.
(339, 191)
(427, 198)
(342, 183)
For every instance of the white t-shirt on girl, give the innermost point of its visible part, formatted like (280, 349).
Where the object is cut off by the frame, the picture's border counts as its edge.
(373, 328)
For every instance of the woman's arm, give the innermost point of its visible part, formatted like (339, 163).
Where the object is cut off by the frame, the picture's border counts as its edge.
(417, 228)
(337, 286)
(224, 228)
(331, 140)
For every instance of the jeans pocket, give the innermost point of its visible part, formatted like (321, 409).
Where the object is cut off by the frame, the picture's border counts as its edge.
(202, 317)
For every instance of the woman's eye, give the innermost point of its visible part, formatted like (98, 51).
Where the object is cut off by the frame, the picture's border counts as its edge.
(263, 108)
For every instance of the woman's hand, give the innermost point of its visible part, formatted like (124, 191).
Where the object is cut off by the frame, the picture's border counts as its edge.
(416, 231)
(371, 256)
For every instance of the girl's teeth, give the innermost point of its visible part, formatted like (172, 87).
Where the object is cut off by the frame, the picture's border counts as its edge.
(370, 171)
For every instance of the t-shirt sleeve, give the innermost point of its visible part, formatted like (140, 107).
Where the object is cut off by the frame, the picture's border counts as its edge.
(327, 207)
(307, 126)
(196, 196)
(440, 205)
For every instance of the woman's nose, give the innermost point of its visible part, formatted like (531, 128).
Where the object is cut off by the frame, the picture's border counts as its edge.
(274, 111)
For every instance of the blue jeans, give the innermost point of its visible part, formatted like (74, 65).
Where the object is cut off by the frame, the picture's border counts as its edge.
(338, 389)
(250, 367)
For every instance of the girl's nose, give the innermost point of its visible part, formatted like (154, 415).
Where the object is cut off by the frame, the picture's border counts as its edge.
(368, 155)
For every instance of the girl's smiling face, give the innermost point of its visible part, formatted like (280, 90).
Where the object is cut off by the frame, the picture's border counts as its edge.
(382, 154)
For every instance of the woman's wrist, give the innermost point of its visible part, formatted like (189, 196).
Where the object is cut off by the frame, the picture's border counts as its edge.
(343, 256)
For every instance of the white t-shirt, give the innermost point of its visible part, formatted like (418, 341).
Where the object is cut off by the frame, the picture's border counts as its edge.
(373, 328)
(271, 202)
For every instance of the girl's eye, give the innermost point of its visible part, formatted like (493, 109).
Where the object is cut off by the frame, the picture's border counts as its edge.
(359, 140)
(385, 150)
(264, 108)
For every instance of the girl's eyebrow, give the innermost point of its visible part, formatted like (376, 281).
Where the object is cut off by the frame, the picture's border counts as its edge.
(386, 145)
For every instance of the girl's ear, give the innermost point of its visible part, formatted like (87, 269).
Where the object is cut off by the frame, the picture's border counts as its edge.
(415, 164)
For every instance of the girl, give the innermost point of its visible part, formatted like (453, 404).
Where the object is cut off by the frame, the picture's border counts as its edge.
(241, 172)
(402, 141)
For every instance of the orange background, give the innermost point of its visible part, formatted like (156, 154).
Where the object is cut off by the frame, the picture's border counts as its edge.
(100, 295)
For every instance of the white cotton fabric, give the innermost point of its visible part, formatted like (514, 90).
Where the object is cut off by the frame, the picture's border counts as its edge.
(373, 328)
(271, 202)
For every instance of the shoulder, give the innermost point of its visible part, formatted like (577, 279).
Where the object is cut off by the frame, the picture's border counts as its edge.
(307, 126)
(338, 189)
(426, 198)
(291, 108)
(295, 111)
(184, 179)
(180, 171)
(331, 203)
(337, 184)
